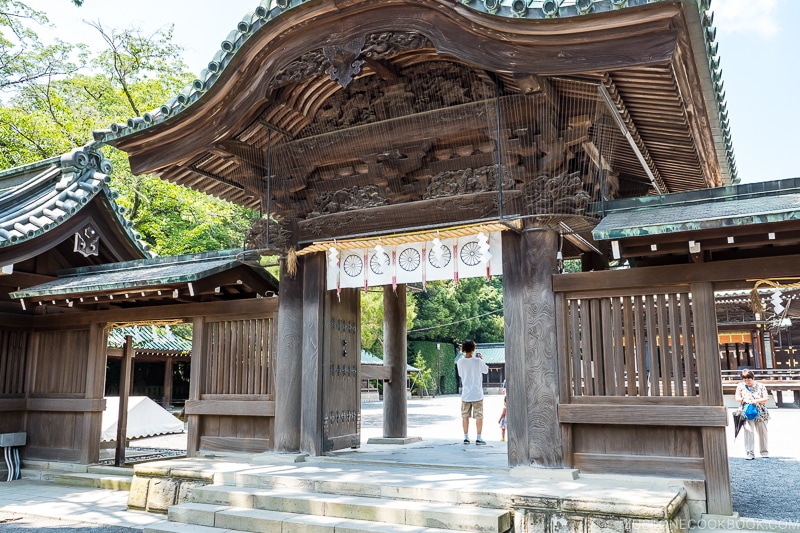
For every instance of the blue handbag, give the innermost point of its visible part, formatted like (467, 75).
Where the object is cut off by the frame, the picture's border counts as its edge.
(750, 411)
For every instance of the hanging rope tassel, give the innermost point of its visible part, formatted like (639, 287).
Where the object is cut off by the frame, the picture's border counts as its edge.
(291, 262)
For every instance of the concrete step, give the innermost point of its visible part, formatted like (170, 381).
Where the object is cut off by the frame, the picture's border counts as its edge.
(226, 518)
(98, 481)
(417, 513)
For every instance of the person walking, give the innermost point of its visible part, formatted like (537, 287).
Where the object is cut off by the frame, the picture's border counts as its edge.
(502, 420)
(471, 369)
(751, 392)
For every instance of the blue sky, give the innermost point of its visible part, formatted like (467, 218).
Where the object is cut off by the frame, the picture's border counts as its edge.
(758, 42)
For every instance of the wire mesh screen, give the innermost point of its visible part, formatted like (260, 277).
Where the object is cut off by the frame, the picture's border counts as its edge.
(428, 129)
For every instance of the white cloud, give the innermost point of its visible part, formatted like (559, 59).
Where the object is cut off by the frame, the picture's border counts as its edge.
(747, 17)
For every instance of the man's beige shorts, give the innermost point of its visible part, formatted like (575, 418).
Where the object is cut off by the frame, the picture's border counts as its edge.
(472, 409)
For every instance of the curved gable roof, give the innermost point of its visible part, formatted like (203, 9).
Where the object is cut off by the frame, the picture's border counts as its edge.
(37, 199)
(546, 23)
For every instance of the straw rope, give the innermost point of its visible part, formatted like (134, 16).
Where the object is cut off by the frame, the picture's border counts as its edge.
(404, 238)
(755, 299)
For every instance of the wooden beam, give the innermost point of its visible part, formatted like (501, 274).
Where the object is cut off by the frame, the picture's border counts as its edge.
(230, 407)
(313, 341)
(643, 415)
(125, 381)
(234, 444)
(66, 405)
(197, 374)
(529, 260)
(381, 372)
(679, 275)
(187, 311)
(689, 467)
(439, 212)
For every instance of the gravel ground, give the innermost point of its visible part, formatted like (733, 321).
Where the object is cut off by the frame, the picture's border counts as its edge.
(768, 488)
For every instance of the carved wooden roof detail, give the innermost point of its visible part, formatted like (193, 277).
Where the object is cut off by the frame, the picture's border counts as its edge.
(337, 106)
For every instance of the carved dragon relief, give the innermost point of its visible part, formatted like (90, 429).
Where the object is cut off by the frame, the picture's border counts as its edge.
(278, 238)
(466, 181)
(374, 46)
(347, 200)
(370, 99)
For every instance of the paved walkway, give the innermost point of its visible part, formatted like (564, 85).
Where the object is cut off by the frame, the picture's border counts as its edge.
(435, 420)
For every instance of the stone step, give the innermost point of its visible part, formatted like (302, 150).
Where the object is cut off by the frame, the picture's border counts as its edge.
(377, 488)
(208, 518)
(47, 470)
(425, 514)
(99, 481)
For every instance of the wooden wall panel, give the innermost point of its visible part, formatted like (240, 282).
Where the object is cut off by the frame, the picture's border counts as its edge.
(231, 402)
(638, 440)
(632, 345)
(61, 365)
(661, 409)
(13, 350)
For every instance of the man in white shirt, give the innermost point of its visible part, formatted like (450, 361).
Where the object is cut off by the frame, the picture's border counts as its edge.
(471, 369)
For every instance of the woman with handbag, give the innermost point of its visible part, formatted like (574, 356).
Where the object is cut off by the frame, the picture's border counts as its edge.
(753, 397)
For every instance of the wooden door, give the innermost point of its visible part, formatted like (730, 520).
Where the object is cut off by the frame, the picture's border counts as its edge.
(341, 399)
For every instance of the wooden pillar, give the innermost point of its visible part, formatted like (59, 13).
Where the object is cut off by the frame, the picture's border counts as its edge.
(715, 449)
(168, 370)
(288, 361)
(395, 402)
(196, 375)
(529, 262)
(125, 378)
(313, 342)
(95, 390)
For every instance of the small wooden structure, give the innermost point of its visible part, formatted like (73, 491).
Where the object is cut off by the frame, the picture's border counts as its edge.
(58, 214)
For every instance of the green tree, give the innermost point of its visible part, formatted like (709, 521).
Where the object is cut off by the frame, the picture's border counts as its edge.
(422, 382)
(23, 57)
(450, 314)
(136, 73)
(372, 319)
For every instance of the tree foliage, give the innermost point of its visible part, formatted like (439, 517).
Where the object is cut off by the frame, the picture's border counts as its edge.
(451, 314)
(23, 57)
(62, 93)
(372, 319)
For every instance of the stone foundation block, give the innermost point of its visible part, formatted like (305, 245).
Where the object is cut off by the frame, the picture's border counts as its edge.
(604, 525)
(161, 493)
(137, 496)
(566, 524)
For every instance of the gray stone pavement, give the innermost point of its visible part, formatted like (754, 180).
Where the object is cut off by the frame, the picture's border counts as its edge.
(435, 420)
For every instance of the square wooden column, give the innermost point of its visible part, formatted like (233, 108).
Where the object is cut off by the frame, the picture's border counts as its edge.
(313, 342)
(288, 369)
(715, 447)
(529, 263)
